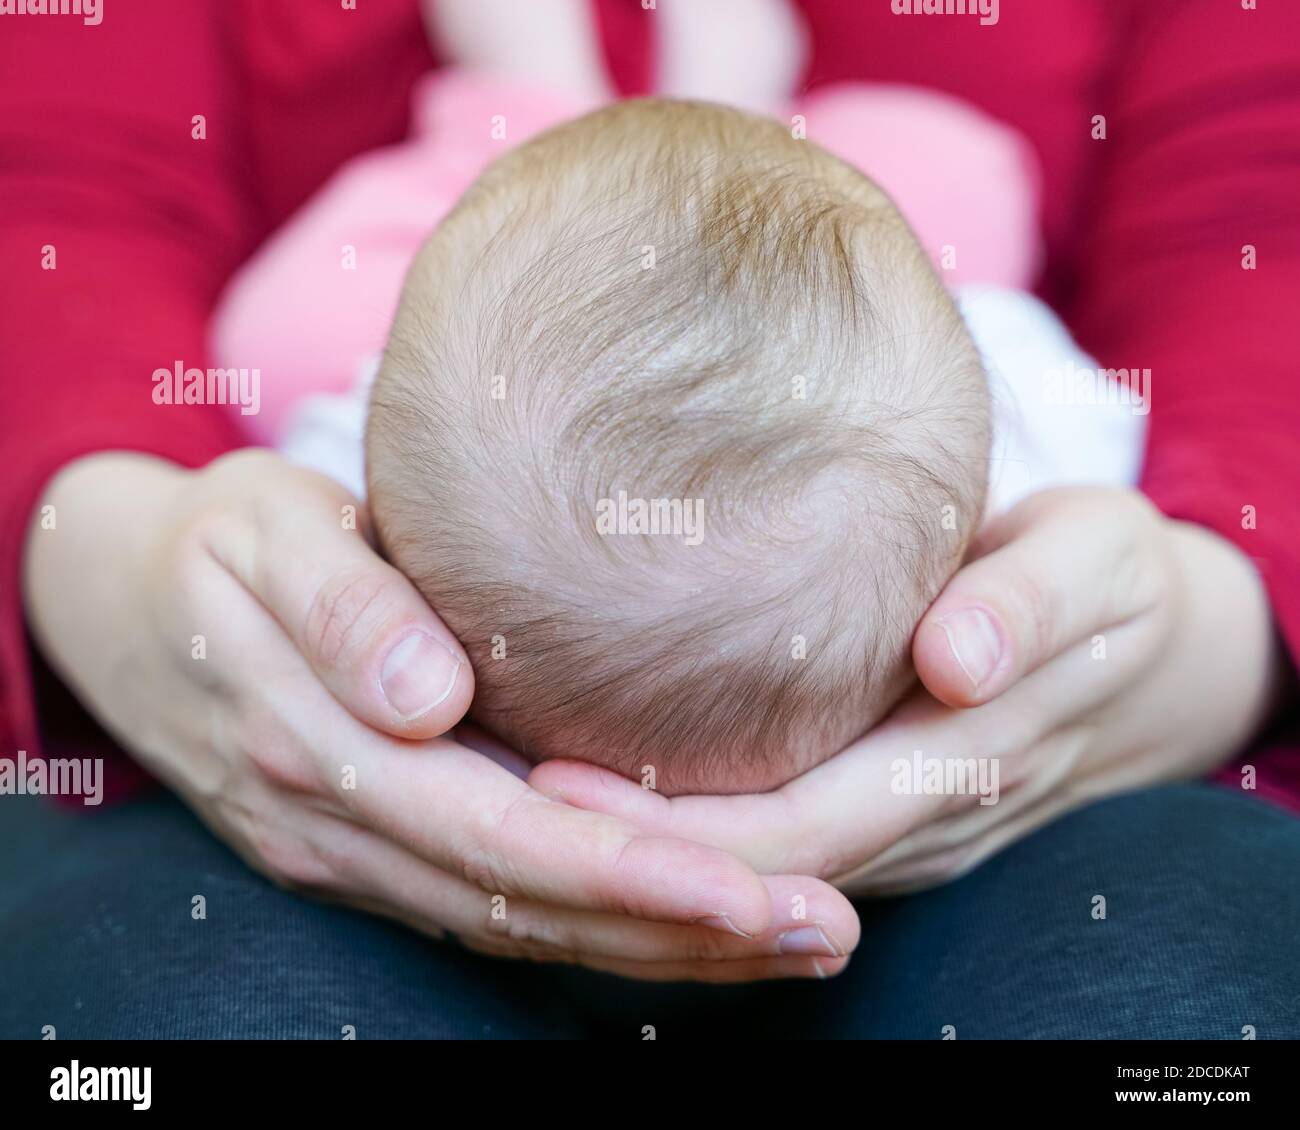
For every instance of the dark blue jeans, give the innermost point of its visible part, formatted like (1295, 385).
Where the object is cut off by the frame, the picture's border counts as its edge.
(1201, 938)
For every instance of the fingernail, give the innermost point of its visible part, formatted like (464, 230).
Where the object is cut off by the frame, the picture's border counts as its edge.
(418, 674)
(975, 643)
(808, 941)
(720, 922)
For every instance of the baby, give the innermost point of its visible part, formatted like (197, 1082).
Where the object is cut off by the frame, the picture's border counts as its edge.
(680, 434)
(675, 426)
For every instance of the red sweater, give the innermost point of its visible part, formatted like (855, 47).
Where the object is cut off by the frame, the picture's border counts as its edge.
(1145, 228)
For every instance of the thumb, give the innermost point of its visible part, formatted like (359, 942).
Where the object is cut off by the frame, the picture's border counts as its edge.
(1061, 566)
(361, 625)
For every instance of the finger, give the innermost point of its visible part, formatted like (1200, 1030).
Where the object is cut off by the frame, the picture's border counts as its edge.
(822, 823)
(724, 972)
(754, 827)
(468, 815)
(934, 870)
(462, 812)
(362, 626)
(704, 971)
(951, 845)
(855, 806)
(809, 919)
(1062, 566)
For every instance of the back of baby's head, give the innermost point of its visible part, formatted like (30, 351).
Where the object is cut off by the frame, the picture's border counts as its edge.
(680, 435)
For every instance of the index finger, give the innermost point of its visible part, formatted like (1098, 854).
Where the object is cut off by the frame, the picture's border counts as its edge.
(472, 817)
(823, 823)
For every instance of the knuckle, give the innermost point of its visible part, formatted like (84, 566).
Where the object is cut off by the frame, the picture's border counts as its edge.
(989, 732)
(1123, 509)
(280, 763)
(200, 524)
(481, 866)
(273, 751)
(1135, 581)
(622, 892)
(806, 849)
(928, 873)
(821, 860)
(345, 611)
(342, 868)
(492, 946)
(202, 533)
(1134, 577)
(484, 862)
(1140, 510)
(1035, 607)
(523, 928)
(288, 861)
(241, 464)
(1139, 578)
(703, 944)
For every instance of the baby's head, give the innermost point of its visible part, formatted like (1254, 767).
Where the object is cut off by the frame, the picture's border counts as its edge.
(680, 434)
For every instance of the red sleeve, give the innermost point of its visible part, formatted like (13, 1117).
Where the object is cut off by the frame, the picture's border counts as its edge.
(101, 179)
(626, 29)
(1203, 160)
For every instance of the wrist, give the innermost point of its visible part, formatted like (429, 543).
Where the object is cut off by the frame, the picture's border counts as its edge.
(1226, 632)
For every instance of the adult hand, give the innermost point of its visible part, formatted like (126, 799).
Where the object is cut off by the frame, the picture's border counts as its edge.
(1091, 646)
(235, 629)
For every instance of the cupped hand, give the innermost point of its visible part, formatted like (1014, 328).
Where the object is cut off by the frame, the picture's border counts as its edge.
(235, 629)
(1091, 646)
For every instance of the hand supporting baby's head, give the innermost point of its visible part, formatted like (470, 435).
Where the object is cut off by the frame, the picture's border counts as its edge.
(679, 433)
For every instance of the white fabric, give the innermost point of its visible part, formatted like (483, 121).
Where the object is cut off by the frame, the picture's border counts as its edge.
(1052, 424)
(327, 432)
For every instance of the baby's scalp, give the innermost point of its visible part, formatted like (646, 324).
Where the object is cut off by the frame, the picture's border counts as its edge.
(680, 434)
